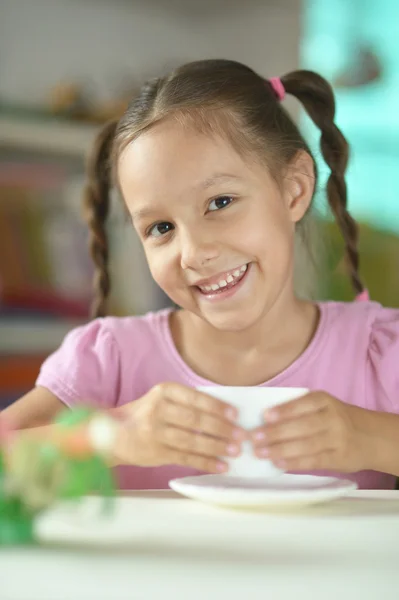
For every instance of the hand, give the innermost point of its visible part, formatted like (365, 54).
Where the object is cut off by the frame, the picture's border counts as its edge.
(174, 424)
(314, 432)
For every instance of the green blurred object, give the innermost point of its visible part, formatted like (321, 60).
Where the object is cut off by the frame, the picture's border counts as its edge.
(91, 475)
(77, 416)
(93, 470)
(379, 265)
(16, 524)
(39, 474)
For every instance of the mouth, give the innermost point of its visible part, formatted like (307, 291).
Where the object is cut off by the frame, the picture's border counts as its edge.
(227, 284)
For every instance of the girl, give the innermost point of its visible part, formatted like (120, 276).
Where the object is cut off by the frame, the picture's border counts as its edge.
(218, 183)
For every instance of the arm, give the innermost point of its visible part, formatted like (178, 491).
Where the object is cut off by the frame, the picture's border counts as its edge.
(37, 408)
(33, 414)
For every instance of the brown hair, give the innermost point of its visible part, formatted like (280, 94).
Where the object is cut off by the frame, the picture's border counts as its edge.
(228, 98)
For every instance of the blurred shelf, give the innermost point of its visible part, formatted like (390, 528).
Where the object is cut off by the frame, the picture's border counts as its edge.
(18, 375)
(47, 136)
(32, 336)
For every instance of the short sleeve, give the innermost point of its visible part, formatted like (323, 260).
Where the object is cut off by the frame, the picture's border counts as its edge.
(384, 358)
(85, 368)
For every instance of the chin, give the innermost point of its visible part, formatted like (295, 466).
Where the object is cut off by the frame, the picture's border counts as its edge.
(233, 322)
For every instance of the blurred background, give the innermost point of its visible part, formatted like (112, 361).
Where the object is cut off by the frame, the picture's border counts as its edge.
(66, 66)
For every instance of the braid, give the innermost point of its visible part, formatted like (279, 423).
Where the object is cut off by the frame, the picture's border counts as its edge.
(96, 208)
(317, 97)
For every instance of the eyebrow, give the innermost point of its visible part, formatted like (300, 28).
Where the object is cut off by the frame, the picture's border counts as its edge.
(207, 183)
(142, 213)
(217, 178)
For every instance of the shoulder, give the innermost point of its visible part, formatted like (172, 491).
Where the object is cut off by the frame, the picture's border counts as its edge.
(365, 337)
(93, 359)
(362, 325)
(145, 329)
(116, 332)
(354, 312)
(371, 319)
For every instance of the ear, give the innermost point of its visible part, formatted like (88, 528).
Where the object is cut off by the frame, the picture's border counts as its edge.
(299, 185)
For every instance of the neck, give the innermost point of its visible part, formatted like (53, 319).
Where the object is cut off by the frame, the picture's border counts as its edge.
(250, 356)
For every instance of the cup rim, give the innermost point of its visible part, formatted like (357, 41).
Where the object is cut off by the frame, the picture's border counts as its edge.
(253, 387)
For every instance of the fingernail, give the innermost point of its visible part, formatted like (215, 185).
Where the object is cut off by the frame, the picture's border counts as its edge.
(281, 464)
(259, 435)
(221, 467)
(264, 452)
(271, 416)
(232, 449)
(232, 414)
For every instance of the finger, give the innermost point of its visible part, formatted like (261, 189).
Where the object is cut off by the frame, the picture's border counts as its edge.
(307, 446)
(325, 460)
(304, 426)
(195, 443)
(190, 418)
(309, 403)
(195, 461)
(203, 402)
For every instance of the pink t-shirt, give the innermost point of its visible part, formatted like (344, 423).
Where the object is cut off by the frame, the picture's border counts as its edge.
(354, 356)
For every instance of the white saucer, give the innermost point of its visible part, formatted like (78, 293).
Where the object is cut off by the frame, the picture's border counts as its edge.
(280, 491)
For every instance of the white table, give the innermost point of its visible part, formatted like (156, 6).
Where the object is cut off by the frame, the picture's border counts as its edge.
(158, 545)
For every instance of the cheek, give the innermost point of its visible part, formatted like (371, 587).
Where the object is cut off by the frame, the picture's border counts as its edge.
(158, 269)
(162, 266)
(270, 234)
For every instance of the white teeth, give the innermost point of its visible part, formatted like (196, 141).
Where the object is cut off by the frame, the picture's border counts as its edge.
(224, 282)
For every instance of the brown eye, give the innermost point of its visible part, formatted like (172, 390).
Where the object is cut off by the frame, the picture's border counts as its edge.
(160, 229)
(220, 202)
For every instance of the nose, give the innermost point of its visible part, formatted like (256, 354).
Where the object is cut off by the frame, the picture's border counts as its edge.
(196, 250)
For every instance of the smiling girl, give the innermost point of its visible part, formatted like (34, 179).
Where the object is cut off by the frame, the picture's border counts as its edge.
(218, 182)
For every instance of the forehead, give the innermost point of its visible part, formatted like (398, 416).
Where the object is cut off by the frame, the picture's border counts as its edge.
(174, 158)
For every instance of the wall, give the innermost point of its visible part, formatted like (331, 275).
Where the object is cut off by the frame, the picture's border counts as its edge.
(42, 41)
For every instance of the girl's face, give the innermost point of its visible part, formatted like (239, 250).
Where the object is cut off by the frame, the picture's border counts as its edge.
(217, 231)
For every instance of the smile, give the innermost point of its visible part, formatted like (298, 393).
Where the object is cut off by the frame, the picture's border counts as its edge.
(229, 280)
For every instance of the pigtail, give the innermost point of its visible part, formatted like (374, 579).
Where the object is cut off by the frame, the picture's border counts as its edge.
(96, 204)
(317, 97)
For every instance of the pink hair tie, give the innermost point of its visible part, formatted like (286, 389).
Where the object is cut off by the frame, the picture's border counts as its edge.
(364, 296)
(278, 87)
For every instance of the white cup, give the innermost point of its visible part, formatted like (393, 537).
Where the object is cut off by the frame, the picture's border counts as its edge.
(252, 402)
